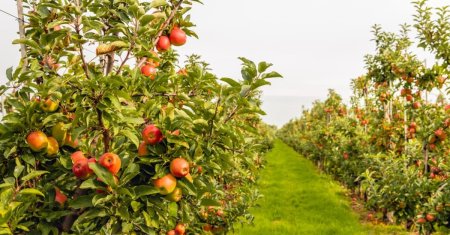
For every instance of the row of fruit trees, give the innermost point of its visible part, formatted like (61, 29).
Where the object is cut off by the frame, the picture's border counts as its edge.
(126, 141)
(390, 145)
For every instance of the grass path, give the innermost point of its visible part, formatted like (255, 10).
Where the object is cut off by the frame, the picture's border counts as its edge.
(299, 200)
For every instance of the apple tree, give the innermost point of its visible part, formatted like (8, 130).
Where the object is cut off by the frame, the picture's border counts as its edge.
(106, 133)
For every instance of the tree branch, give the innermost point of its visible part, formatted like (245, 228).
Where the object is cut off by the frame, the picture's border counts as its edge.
(105, 131)
(80, 46)
(161, 29)
(23, 50)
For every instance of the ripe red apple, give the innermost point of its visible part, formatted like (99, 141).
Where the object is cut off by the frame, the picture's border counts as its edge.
(166, 184)
(440, 133)
(447, 122)
(60, 197)
(148, 71)
(171, 232)
(430, 217)
(81, 168)
(163, 43)
(142, 150)
(345, 156)
(432, 147)
(78, 155)
(111, 162)
(416, 105)
(199, 169)
(421, 220)
(175, 196)
(180, 229)
(37, 141)
(177, 36)
(179, 167)
(49, 105)
(152, 135)
(409, 98)
(52, 147)
(447, 107)
(219, 213)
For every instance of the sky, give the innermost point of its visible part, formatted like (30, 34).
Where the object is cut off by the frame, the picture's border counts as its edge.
(316, 45)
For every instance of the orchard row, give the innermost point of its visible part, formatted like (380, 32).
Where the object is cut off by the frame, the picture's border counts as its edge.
(390, 145)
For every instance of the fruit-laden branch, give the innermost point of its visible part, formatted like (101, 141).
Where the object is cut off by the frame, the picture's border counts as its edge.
(161, 30)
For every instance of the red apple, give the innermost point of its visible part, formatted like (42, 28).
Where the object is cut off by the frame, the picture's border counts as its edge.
(180, 229)
(111, 162)
(177, 36)
(148, 71)
(142, 150)
(166, 184)
(81, 168)
(179, 167)
(171, 232)
(152, 135)
(37, 141)
(60, 197)
(163, 43)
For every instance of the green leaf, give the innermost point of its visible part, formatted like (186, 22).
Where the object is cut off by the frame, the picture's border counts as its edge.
(9, 73)
(231, 82)
(144, 190)
(158, 3)
(27, 42)
(187, 186)
(263, 66)
(101, 199)
(33, 175)
(132, 136)
(173, 209)
(271, 75)
(31, 191)
(89, 184)
(146, 19)
(130, 172)
(102, 173)
(90, 214)
(209, 202)
(18, 170)
(81, 202)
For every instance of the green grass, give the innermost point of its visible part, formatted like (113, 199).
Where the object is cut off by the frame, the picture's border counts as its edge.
(299, 200)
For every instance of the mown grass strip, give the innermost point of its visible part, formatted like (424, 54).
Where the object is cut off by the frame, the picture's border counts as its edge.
(299, 200)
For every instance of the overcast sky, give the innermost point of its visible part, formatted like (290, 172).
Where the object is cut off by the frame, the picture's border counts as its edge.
(315, 45)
